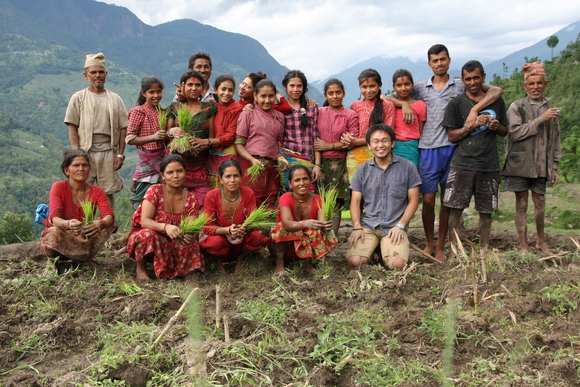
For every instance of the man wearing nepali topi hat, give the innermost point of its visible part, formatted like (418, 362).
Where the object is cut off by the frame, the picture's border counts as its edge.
(97, 123)
(533, 152)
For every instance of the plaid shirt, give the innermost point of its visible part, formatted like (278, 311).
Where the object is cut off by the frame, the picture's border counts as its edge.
(143, 122)
(262, 131)
(296, 139)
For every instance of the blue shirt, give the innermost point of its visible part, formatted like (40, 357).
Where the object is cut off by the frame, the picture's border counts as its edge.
(434, 134)
(384, 191)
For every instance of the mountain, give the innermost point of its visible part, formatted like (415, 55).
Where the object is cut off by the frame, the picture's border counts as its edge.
(387, 65)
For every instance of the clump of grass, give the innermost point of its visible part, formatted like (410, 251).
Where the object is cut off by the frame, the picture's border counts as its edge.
(329, 199)
(182, 145)
(190, 225)
(254, 172)
(88, 211)
(162, 116)
(281, 166)
(260, 217)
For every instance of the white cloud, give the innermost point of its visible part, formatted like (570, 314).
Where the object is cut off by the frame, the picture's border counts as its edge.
(325, 37)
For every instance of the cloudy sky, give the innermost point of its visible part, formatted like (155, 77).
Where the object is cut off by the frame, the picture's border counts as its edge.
(326, 36)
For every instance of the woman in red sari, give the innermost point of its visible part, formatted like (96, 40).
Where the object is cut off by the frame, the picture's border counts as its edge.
(229, 206)
(156, 236)
(66, 236)
(301, 231)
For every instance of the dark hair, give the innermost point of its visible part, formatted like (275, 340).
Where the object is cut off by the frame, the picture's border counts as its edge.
(224, 78)
(330, 82)
(70, 155)
(229, 163)
(471, 66)
(169, 159)
(297, 167)
(436, 49)
(380, 128)
(377, 113)
(191, 74)
(402, 73)
(265, 82)
(256, 77)
(304, 119)
(199, 55)
(147, 83)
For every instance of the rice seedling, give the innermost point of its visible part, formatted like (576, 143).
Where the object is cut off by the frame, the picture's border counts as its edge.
(182, 145)
(190, 225)
(254, 172)
(162, 116)
(88, 211)
(260, 217)
(329, 198)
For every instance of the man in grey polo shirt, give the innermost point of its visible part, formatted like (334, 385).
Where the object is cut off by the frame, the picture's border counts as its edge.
(388, 188)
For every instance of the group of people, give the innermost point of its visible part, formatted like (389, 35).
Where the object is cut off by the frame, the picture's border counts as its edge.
(234, 156)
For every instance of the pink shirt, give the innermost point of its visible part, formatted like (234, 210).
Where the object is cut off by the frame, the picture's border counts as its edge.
(364, 110)
(406, 132)
(262, 130)
(332, 124)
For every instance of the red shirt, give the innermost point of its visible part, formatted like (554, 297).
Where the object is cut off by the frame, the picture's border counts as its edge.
(286, 200)
(213, 207)
(225, 122)
(61, 202)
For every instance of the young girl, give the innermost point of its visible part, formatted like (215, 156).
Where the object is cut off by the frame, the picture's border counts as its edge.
(300, 127)
(144, 132)
(334, 121)
(407, 145)
(300, 225)
(224, 126)
(201, 131)
(246, 93)
(371, 110)
(258, 136)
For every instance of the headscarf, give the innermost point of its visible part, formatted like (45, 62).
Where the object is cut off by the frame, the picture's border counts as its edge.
(531, 69)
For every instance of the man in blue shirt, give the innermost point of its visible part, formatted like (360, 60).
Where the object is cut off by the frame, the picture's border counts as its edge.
(387, 186)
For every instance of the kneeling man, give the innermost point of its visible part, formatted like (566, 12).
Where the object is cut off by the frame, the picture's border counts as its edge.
(388, 188)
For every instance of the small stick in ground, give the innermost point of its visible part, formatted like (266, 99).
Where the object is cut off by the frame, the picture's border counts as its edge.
(432, 258)
(217, 306)
(176, 316)
(226, 329)
(552, 256)
(493, 296)
(507, 290)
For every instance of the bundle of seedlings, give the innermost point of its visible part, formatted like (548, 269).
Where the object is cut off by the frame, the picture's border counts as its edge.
(182, 145)
(162, 117)
(191, 225)
(254, 172)
(88, 211)
(329, 202)
(261, 217)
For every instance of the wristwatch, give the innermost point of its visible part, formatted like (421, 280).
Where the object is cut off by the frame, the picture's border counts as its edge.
(122, 157)
(401, 226)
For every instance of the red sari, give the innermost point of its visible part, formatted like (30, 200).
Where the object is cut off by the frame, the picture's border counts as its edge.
(171, 258)
(219, 245)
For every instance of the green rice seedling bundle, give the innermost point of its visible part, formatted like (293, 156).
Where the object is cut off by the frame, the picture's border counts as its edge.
(195, 225)
(280, 166)
(260, 217)
(329, 197)
(254, 172)
(182, 145)
(162, 116)
(88, 211)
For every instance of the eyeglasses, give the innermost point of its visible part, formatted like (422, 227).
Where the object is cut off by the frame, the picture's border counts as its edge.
(384, 141)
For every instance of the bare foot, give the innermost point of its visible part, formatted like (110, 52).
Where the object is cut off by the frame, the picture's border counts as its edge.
(440, 255)
(544, 247)
(238, 267)
(524, 249)
(50, 269)
(430, 249)
(220, 267)
(279, 269)
(308, 267)
(142, 275)
(91, 264)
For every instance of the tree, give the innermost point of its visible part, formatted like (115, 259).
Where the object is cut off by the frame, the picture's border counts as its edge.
(552, 42)
(15, 228)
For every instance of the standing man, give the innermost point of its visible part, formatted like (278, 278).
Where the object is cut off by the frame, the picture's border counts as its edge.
(435, 148)
(475, 165)
(200, 62)
(388, 188)
(533, 152)
(97, 123)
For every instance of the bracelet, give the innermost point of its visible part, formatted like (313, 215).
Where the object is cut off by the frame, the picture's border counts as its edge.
(355, 224)
(230, 230)
(303, 224)
(332, 146)
(357, 229)
(317, 165)
(68, 224)
(208, 143)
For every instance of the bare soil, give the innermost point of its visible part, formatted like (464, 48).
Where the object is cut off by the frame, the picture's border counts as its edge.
(514, 339)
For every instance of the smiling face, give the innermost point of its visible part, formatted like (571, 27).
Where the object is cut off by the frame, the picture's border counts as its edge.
(381, 144)
(265, 98)
(369, 88)
(403, 87)
(225, 92)
(78, 170)
(334, 95)
(174, 174)
(153, 95)
(193, 88)
(535, 86)
(231, 179)
(294, 89)
(202, 66)
(439, 63)
(96, 75)
(473, 81)
(246, 89)
(300, 182)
